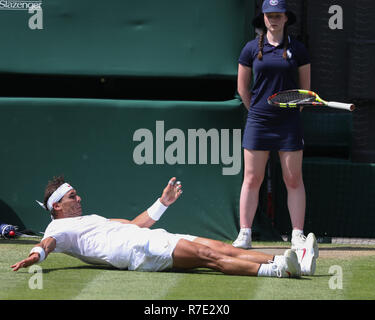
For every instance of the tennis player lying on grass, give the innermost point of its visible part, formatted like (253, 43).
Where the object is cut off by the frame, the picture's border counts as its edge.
(131, 245)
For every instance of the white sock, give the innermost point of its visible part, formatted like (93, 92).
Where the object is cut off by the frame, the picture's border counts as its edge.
(277, 258)
(245, 230)
(265, 270)
(296, 232)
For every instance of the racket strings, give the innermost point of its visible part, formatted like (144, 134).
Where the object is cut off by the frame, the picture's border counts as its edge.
(293, 97)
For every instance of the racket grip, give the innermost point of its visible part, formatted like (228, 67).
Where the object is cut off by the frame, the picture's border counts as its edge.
(339, 105)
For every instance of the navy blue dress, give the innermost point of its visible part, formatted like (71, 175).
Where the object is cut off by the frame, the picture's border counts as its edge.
(269, 127)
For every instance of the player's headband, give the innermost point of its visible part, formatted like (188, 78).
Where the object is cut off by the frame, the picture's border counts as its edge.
(56, 196)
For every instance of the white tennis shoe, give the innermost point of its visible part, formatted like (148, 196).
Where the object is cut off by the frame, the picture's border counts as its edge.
(298, 241)
(307, 254)
(243, 240)
(286, 266)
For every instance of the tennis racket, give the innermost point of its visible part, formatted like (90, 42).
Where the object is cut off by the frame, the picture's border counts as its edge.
(304, 98)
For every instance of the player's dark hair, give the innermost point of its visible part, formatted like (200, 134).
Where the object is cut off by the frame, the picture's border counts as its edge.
(52, 187)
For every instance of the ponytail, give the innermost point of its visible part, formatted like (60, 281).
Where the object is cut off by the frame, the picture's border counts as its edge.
(261, 44)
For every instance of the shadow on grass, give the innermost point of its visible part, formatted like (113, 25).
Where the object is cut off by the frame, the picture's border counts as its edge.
(321, 248)
(195, 271)
(81, 267)
(213, 272)
(322, 276)
(198, 271)
(109, 268)
(16, 241)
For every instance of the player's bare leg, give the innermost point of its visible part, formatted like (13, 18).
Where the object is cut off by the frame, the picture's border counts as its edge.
(190, 255)
(229, 250)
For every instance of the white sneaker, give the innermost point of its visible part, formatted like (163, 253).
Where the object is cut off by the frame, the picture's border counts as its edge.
(286, 266)
(307, 255)
(298, 241)
(243, 240)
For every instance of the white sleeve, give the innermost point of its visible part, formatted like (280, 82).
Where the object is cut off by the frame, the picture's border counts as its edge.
(60, 235)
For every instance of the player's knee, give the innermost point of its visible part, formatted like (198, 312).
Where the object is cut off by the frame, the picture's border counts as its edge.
(219, 245)
(211, 258)
(224, 248)
(206, 253)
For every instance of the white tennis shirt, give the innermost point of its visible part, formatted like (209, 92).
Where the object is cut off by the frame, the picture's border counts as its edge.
(98, 240)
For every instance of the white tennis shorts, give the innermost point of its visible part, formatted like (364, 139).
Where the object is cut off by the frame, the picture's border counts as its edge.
(156, 254)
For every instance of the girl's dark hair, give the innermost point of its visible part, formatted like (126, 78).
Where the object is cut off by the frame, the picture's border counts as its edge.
(261, 43)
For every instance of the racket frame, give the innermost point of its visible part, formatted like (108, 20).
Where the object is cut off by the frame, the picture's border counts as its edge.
(319, 101)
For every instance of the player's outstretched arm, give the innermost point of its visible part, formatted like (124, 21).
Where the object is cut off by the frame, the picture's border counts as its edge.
(42, 250)
(170, 194)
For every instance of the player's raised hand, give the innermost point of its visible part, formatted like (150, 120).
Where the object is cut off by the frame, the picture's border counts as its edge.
(171, 192)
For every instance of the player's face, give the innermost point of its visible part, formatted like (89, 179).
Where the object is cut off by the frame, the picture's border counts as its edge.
(275, 21)
(71, 204)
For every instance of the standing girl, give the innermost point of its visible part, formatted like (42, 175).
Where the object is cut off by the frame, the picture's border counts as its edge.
(278, 62)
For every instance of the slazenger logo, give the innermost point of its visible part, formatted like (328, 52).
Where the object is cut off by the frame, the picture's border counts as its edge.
(274, 2)
(19, 5)
(33, 7)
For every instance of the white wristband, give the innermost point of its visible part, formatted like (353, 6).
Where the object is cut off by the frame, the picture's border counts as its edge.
(40, 250)
(156, 210)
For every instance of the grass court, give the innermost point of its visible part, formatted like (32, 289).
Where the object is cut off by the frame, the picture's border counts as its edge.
(344, 272)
